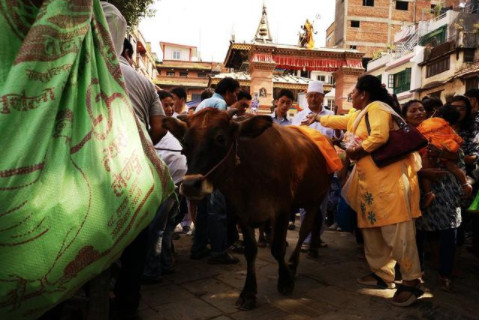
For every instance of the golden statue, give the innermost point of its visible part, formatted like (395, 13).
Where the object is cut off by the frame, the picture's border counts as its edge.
(306, 37)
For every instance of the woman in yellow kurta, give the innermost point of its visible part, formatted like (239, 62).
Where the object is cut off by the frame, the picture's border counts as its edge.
(386, 199)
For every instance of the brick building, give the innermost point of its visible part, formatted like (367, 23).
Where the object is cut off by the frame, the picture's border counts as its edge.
(435, 58)
(181, 67)
(369, 25)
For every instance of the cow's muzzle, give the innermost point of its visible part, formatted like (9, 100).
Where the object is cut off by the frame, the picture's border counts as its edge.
(195, 187)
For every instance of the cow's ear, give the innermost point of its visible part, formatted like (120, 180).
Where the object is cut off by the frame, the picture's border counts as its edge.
(176, 127)
(254, 127)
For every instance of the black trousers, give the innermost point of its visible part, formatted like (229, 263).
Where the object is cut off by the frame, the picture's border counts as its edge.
(127, 287)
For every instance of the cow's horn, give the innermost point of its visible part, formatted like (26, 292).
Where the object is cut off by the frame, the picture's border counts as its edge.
(231, 112)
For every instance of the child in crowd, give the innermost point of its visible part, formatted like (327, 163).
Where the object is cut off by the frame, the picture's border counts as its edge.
(166, 99)
(440, 134)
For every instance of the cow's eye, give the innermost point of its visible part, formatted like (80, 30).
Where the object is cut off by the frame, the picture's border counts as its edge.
(220, 139)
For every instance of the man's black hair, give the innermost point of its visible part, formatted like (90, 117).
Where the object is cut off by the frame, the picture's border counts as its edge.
(179, 92)
(467, 122)
(286, 93)
(207, 93)
(227, 85)
(448, 113)
(432, 104)
(243, 94)
(127, 46)
(162, 94)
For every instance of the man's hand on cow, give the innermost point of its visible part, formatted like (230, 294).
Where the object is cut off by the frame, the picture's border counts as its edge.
(311, 118)
(356, 153)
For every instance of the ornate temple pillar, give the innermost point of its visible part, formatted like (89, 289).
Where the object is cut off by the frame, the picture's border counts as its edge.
(261, 66)
(345, 80)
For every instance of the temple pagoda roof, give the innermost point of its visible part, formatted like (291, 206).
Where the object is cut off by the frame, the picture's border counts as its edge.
(238, 53)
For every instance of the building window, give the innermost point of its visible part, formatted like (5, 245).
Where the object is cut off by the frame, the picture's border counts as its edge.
(353, 47)
(355, 24)
(471, 83)
(176, 55)
(305, 74)
(183, 74)
(170, 74)
(434, 38)
(201, 75)
(321, 78)
(401, 5)
(368, 3)
(438, 66)
(400, 82)
(469, 55)
(331, 104)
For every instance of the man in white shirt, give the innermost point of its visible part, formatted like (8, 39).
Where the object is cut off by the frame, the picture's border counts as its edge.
(179, 101)
(159, 260)
(315, 96)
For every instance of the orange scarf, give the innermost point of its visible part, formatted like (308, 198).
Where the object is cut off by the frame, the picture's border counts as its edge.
(324, 145)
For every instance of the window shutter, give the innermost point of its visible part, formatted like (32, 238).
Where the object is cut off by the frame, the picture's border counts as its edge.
(390, 80)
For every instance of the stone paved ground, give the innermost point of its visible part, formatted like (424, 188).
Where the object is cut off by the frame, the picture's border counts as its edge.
(325, 289)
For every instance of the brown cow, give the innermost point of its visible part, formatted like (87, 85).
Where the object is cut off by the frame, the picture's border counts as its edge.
(264, 171)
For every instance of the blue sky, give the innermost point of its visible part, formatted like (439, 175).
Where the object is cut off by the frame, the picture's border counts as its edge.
(208, 24)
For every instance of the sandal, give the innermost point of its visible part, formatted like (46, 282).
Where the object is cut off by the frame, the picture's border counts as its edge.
(446, 284)
(375, 281)
(415, 293)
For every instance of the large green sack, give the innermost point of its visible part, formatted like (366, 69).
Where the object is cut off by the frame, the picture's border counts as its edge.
(79, 178)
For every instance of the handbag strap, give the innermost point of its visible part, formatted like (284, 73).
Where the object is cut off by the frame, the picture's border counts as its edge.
(400, 122)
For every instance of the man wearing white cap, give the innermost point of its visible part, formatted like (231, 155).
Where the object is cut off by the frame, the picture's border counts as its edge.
(315, 97)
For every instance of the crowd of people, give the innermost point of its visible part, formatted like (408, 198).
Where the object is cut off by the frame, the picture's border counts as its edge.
(395, 212)
(397, 208)
(421, 197)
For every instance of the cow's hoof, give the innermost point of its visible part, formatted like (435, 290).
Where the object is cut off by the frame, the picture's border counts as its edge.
(245, 303)
(285, 286)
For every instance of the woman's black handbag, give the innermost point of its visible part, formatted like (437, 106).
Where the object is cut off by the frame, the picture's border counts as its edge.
(401, 143)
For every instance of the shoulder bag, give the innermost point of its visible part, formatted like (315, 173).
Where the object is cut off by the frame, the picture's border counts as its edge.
(401, 142)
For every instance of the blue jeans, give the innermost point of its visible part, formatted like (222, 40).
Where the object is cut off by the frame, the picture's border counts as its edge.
(211, 224)
(160, 230)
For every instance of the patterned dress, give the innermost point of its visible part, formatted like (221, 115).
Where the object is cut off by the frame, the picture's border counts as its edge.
(445, 212)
